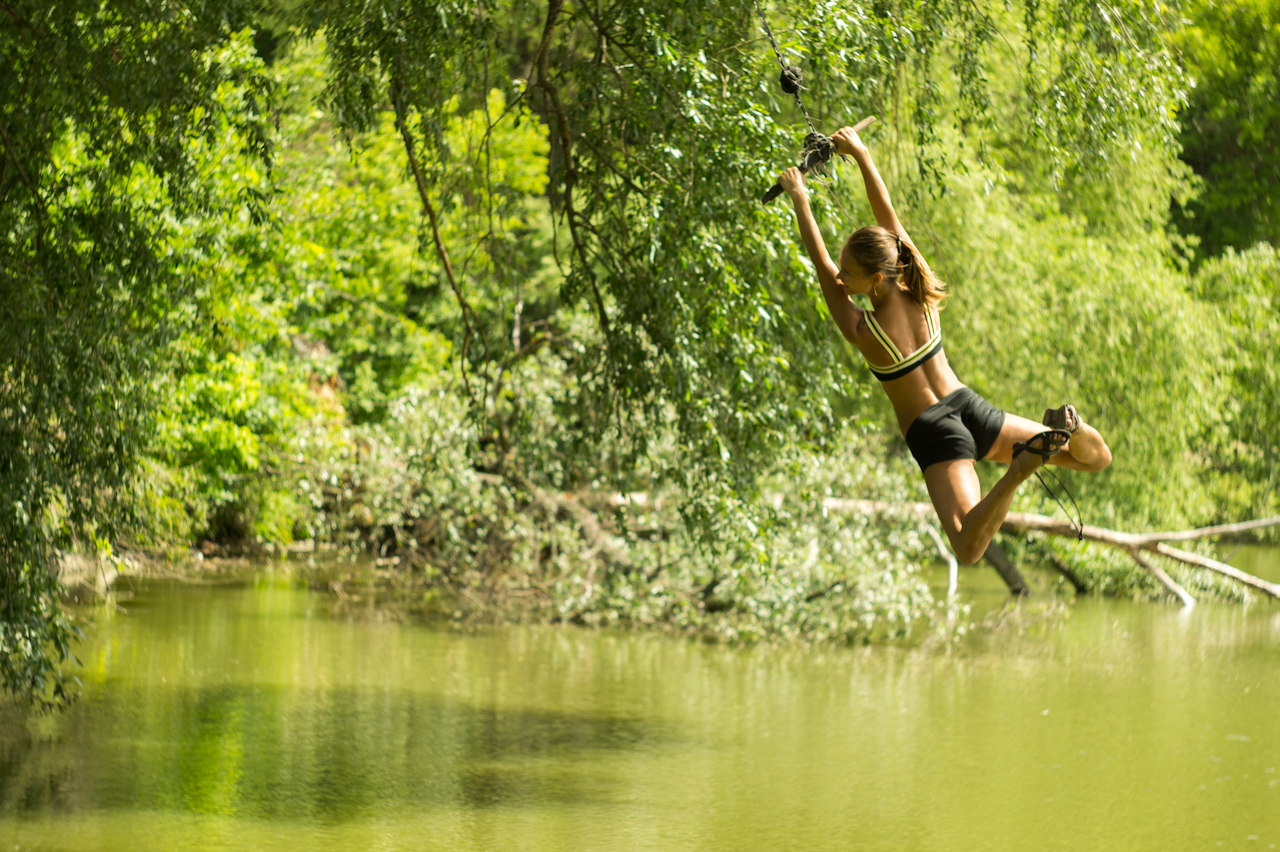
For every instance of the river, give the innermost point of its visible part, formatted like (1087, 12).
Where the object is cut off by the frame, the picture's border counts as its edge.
(246, 717)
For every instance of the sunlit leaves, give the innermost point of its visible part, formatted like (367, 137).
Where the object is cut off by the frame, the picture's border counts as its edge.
(108, 110)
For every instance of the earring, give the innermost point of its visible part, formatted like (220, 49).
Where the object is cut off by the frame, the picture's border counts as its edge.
(874, 292)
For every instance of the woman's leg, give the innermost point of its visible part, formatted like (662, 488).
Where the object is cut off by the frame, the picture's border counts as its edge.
(970, 522)
(1086, 450)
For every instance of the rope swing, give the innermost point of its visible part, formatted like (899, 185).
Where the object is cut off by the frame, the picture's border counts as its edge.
(818, 147)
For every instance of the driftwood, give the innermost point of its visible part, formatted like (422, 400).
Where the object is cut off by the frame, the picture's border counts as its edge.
(953, 567)
(1132, 543)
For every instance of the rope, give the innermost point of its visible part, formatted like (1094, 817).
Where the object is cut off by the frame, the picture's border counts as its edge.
(791, 76)
(1078, 524)
(1045, 452)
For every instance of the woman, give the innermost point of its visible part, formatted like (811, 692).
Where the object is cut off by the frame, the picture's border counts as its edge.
(947, 426)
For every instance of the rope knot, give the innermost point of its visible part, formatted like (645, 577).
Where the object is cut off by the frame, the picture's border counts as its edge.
(817, 150)
(791, 79)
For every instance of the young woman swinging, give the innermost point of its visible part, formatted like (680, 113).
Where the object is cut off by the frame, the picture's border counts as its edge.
(947, 425)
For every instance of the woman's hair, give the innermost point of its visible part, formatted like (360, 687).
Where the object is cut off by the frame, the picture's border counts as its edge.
(878, 250)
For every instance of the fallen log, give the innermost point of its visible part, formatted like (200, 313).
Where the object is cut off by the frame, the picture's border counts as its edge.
(1024, 522)
(1131, 543)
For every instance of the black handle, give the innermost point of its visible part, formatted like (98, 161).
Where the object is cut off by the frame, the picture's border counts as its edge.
(774, 192)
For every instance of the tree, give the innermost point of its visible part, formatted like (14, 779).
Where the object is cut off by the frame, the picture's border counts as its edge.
(107, 109)
(666, 123)
(1232, 53)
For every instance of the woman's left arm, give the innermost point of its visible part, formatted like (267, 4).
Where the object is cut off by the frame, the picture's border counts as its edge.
(846, 314)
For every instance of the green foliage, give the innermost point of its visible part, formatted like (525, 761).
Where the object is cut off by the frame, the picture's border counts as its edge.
(664, 121)
(108, 110)
(507, 251)
(493, 545)
(1043, 312)
(1244, 290)
(1232, 53)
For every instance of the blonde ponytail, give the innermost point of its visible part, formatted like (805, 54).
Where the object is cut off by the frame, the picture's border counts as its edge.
(876, 249)
(923, 286)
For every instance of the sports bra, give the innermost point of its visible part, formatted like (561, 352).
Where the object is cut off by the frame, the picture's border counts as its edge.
(903, 364)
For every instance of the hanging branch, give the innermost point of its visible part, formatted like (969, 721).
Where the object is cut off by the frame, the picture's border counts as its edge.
(565, 137)
(467, 313)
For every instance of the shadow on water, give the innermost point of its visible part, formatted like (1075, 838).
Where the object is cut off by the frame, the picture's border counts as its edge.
(326, 755)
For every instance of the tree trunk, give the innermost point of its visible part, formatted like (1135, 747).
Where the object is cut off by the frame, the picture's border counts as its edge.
(1006, 569)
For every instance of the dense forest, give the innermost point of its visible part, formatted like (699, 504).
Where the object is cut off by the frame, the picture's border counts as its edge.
(486, 290)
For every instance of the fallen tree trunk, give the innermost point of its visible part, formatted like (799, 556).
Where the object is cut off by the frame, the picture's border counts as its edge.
(1024, 522)
(1132, 543)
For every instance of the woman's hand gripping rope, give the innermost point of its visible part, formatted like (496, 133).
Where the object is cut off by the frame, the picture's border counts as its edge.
(848, 143)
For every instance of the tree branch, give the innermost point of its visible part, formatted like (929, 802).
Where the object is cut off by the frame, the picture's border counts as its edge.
(566, 147)
(1131, 543)
(441, 251)
(1271, 589)
(1165, 580)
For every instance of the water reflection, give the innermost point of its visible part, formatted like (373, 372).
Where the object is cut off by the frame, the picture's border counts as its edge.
(247, 718)
(325, 754)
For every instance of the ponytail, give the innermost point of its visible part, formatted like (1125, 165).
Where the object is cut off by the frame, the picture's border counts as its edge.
(923, 286)
(876, 249)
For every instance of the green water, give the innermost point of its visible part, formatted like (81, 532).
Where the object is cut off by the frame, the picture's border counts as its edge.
(246, 718)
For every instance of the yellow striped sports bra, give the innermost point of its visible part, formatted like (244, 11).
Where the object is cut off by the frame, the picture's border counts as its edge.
(903, 364)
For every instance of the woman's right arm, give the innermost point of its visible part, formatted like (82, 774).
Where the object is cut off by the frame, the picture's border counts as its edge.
(848, 142)
(847, 315)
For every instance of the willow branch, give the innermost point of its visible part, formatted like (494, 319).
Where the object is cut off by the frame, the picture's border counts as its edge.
(441, 251)
(566, 148)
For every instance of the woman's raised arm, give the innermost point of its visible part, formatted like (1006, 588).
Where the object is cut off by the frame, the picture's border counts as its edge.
(848, 142)
(846, 314)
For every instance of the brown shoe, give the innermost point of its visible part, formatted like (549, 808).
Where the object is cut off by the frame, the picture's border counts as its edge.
(1064, 419)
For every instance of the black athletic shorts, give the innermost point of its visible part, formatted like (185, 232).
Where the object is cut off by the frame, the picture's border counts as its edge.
(961, 425)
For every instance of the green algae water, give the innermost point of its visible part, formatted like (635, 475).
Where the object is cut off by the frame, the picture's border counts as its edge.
(249, 718)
